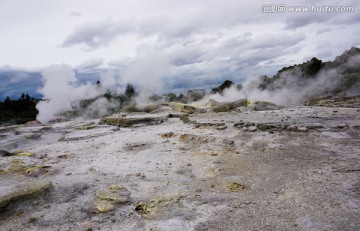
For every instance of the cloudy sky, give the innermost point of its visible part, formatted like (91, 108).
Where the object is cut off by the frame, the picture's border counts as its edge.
(188, 43)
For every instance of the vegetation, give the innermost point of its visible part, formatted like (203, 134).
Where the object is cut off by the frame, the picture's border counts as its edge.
(348, 73)
(18, 111)
(130, 91)
(226, 84)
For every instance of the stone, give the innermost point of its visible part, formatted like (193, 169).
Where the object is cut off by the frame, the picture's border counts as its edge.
(32, 136)
(167, 135)
(341, 126)
(33, 123)
(6, 153)
(292, 128)
(184, 118)
(264, 106)
(128, 121)
(22, 153)
(235, 186)
(239, 103)
(134, 108)
(252, 128)
(221, 128)
(302, 129)
(222, 108)
(115, 197)
(104, 206)
(142, 208)
(87, 224)
(23, 191)
(229, 142)
(314, 126)
(186, 137)
(185, 108)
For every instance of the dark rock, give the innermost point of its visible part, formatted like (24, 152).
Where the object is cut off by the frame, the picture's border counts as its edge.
(264, 106)
(185, 118)
(6, 153)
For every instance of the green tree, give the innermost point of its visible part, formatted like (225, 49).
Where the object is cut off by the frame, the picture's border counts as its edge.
(130, 90)
(222, 87)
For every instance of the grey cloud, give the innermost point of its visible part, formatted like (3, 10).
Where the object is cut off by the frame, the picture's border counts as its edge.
(75, 14)
(185, 56)
(214, 16)
(304, 19)
(96, 34)
(91, 63)
(276, 40)
(323, 31)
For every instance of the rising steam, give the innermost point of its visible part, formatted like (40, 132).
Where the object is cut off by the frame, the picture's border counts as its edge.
(290, 88)
(60, 91)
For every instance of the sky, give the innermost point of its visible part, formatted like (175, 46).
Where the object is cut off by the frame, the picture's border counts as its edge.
(186, 44)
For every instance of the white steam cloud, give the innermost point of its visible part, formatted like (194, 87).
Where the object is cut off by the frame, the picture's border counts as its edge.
(147, 74)
(289, 89)
(60, 91)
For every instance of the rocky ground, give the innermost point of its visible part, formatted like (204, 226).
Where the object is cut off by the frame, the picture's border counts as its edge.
(286, 169)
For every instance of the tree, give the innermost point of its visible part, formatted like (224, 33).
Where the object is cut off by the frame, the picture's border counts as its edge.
(222, 87)
(130, 90)
(313, 66)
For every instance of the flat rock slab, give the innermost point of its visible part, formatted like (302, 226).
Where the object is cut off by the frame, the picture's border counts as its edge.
(23, 191)
(131, 120)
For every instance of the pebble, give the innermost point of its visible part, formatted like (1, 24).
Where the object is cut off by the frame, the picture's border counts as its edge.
(252, 128)
(341, 125)
(302, 129)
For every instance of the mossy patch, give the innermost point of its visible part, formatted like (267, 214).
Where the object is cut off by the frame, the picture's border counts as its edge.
(142, 208)
(24, 153)
(115, 187)
(236, 187)
(104, 206)
(250, 103)
(185, 137)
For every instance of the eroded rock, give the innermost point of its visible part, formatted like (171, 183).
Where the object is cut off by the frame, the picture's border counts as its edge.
(23, 191)
(264, 106)
(128, 121)
(108, 198)
(185, 108)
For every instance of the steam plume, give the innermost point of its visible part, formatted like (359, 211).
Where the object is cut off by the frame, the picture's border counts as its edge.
(60, 91)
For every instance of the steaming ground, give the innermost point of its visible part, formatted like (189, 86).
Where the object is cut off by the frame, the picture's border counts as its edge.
(262, 174)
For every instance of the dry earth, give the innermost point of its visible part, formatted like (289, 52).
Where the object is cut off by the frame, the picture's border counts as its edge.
(289, 169)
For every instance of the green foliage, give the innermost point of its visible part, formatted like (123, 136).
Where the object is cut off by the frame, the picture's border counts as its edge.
(18, 111)
(312, 67)
(226, 84)
(130, 90)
